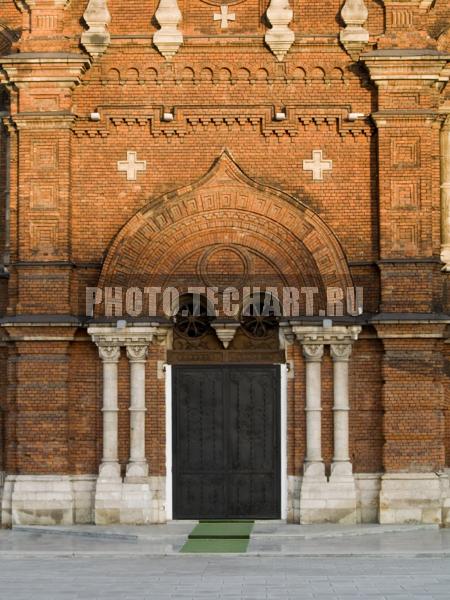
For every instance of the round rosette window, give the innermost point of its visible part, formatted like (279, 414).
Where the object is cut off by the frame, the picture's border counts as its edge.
(192, 319)
(260, 315)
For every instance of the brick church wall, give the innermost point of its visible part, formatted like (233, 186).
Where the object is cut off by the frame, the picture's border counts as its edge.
(69, 202)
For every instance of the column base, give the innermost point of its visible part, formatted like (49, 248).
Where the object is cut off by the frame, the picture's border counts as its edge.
(108, 499)
(109, 470)
(445, 490)
(134, 501)
(135, 508)
(39, 500)
(137, 469)
(314, 470)
(411, 498)
(328, 501)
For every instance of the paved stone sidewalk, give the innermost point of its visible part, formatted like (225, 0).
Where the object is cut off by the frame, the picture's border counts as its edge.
(268, 538)
(227, 578)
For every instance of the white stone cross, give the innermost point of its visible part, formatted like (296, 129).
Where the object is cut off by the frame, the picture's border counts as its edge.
(318, 165)
(132, 166)
(224, 16)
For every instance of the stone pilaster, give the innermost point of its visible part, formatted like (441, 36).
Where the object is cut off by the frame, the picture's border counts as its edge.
(41, 118)
(413, 402)
(445, 193)
(409, 83)
(38, 492)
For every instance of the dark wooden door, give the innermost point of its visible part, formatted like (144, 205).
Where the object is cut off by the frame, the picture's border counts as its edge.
(226, 442)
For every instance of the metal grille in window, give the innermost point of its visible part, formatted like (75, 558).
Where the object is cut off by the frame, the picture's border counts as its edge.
(192, 320)
(260, 316)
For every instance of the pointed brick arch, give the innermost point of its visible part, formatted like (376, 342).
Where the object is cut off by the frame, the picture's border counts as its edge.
(226, 207)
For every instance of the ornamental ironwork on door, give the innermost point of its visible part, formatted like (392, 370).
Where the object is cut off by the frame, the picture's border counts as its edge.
(226, 442)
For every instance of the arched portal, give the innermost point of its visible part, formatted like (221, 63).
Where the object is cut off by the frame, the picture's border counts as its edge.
(226, 230)
(226, 410)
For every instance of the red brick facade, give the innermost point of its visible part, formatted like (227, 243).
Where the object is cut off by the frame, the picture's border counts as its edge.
(70, 219)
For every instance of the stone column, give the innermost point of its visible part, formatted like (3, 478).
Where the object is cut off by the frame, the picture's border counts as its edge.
(137, 465)
(108, 491)
(341, 466)
(110, 462)
(314, 466)
(445, 193)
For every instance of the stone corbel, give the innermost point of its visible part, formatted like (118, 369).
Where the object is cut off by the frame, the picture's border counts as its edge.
(169, 38)
(97, 38)
(280, 37)
(287, 333)
(226, 332)
(354, 37)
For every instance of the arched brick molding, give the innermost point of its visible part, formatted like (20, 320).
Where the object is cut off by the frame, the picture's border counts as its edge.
(280, 234)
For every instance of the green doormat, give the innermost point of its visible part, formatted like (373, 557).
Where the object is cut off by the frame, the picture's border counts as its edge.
(219, 537)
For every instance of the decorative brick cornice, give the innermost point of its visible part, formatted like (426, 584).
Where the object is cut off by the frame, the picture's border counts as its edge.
(25, 5)
(408, 67)
(188, 121)
(39, 121)
(63, 69)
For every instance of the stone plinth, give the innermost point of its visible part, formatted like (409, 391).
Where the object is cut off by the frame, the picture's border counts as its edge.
(368, 487)
(410, 498)
(108, 501)
(84, 497)
(42, 500)
(323, 501)
(136, 505)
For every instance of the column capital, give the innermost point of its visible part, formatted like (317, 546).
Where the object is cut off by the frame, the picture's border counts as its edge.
(341, 352)
(109, 354)
(137, 353)
(313, 352)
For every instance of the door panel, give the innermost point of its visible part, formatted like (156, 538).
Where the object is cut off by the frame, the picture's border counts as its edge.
(226, 442)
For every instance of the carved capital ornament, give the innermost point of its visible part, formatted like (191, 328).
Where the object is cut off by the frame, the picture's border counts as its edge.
(109, 354)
